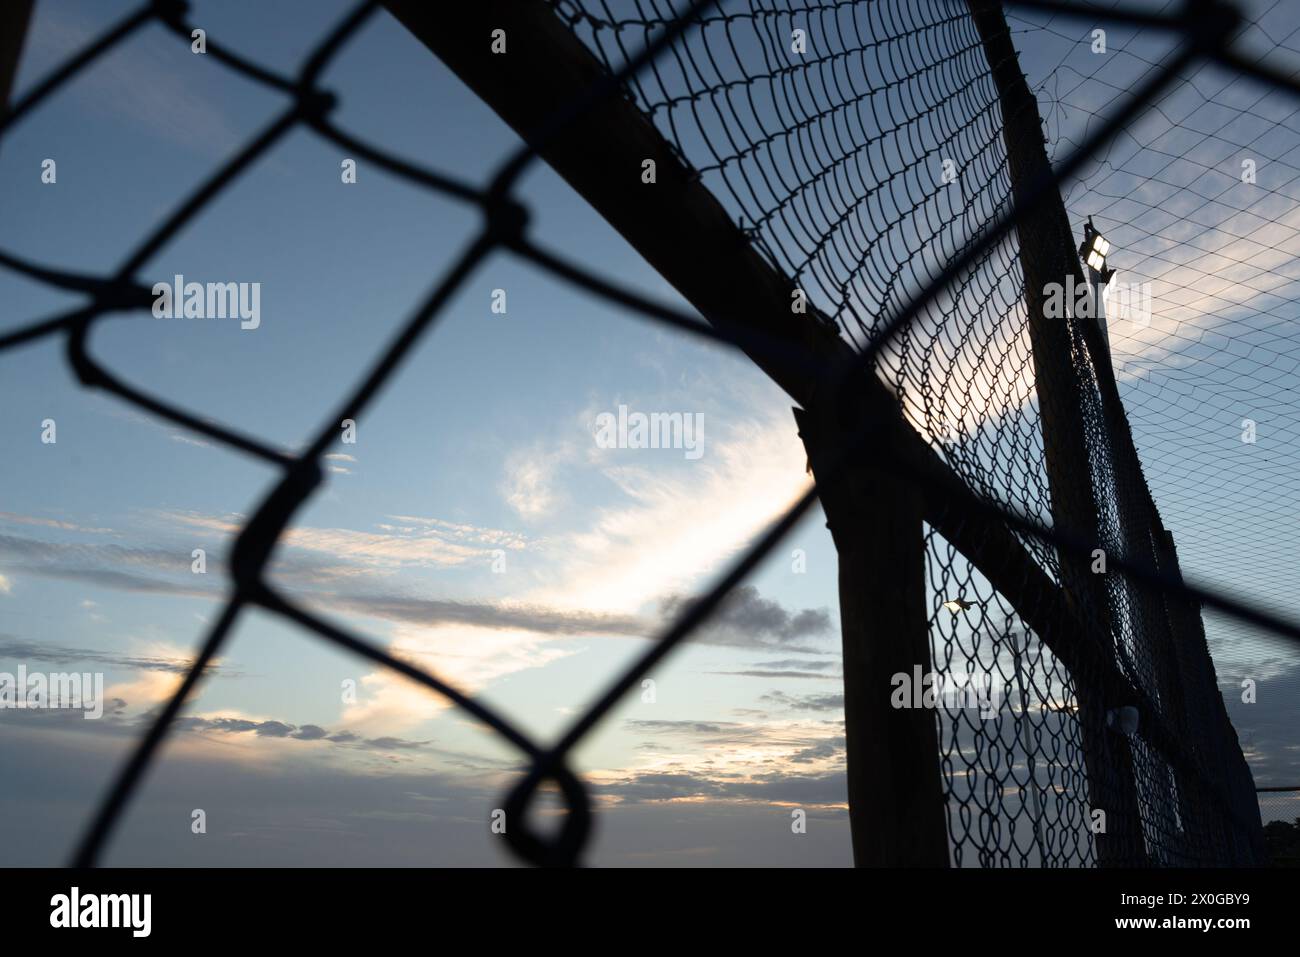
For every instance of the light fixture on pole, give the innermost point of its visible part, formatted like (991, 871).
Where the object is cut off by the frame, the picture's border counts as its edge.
(1093, 251)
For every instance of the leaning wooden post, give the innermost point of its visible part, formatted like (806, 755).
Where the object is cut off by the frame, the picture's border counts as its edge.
(895, 786)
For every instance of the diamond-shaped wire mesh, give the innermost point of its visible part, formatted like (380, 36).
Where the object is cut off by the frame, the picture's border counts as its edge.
(835, 169)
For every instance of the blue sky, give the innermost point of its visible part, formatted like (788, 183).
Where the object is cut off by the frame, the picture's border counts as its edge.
(482, 442)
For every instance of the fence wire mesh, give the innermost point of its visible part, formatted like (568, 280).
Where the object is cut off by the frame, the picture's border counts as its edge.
(1279, 809)
(835, 166)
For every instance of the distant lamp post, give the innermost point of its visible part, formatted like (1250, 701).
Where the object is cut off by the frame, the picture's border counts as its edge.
(1093, 251)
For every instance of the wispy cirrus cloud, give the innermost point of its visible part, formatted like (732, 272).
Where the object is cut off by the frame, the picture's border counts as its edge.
(16, 519)
(339, 462)
(270, 728)
(805, 702)
(402, 541)
(12, 647)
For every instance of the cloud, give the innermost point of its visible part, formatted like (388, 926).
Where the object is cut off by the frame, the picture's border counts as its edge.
(428, 611)
(733, 760)
(810, 702)
(124, 581)
(11, 647)
(799, 663)
(308, 557)
(472, 644)
(828, 789)
(772, 674)
(157, 673)
(147, 689)
(672, 526)
(106, 565)
(746, 619)
(332, 460)
(468, 658)
(832, 748)
(286, 731)
(789, 668)
(129, 706)
(529, 484)
(107, 555)
(16, 519)
(403, 542)
(655, 786)
(678, 727)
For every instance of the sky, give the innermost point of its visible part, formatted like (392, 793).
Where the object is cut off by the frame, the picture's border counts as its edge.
(474, 527)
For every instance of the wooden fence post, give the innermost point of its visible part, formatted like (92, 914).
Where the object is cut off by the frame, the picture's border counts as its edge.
(896, 795)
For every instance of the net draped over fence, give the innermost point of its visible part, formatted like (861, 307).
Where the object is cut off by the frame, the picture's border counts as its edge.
(874, 156)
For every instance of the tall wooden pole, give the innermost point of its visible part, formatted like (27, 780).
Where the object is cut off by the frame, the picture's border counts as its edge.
(1047, 257)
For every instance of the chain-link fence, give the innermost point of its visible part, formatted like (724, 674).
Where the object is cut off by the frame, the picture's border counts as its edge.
(887, 294)
(1279, 804)
(1279, 809)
